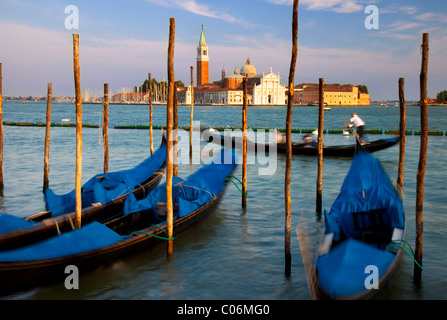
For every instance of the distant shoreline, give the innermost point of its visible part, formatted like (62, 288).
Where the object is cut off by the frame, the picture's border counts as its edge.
(373, 104)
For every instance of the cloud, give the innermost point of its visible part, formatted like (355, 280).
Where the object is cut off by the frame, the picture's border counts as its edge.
(196, 8)
(339, 6)
(397, 8)
(431, 17)
(39, 56)
(400, 25)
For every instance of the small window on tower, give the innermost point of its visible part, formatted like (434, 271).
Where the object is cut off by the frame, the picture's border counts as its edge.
(205, 52)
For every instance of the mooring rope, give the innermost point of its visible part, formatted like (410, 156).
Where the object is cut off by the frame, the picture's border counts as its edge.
(401, 247)
(229, 180)
(153, 235)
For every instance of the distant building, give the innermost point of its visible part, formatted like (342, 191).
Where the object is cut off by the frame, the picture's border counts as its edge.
(334, 95)
(262, 89)
(202, 61)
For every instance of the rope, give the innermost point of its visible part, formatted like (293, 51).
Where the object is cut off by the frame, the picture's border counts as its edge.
(154, 235)
(71, 222)
(229, 180)
(401, 247)
(57, 227)
(193, 187)
(236, 178)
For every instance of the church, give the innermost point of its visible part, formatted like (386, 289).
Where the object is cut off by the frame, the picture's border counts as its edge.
(262, 89)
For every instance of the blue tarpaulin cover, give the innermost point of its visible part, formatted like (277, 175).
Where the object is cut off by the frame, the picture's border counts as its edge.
(198, 189)
(90, 237)
(343, 272)
(366, 188)
(105, 187)
(10, 223)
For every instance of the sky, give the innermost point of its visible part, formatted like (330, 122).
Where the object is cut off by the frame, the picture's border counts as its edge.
(342, 41)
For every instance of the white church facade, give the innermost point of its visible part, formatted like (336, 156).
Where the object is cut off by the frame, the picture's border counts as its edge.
(269, 90)
(262, 89)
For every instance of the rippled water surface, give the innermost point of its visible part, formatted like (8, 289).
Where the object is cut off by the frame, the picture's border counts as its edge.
(235, 253)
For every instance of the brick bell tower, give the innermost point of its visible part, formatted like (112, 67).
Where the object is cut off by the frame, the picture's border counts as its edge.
(202, 61)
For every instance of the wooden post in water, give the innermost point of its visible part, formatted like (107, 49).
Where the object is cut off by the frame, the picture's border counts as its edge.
(402, 136)
(422, 161)
(320, 148)
(192, 113)
(77, 80)
(244, 143)
(46, 159)
(288, 206)
(150, 114)
(175, 143)
(105, 127)
(1, 132)
(169, 125)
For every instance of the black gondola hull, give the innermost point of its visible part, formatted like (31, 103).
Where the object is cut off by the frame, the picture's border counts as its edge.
(299, 148)
(16, 276)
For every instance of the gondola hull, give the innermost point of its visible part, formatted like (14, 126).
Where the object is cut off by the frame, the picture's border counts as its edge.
(141, 226)
(319, 293)
(46, 226)
(17, 276)
(299, 148)
(357, 255)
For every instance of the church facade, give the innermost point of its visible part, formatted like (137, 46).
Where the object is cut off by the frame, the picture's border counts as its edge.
(262, 89)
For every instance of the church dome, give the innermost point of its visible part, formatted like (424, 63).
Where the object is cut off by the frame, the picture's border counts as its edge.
(248, 69)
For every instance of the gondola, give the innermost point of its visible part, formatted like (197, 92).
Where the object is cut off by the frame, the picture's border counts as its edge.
(298, 148)
(142, 226)
(364, 233)
(107, 201)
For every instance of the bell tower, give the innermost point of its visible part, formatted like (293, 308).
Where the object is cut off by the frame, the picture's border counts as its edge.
(202, 61)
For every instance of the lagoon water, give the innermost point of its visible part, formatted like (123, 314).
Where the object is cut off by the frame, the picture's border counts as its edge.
(235, 254)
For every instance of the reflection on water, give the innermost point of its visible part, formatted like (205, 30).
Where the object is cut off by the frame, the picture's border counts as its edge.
(235, 253)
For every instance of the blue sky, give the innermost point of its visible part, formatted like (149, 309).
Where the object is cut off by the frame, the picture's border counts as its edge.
(122, 41)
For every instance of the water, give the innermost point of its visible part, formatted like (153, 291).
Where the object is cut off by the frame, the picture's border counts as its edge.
(235, 253)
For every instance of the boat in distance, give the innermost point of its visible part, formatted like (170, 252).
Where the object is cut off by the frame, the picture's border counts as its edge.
(106, 200)
(142, 226)
(298, 148)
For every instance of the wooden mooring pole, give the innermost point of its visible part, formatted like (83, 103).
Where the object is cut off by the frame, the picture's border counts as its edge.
(288, 206)
(244, 143)
(175, 143)
(46, 158)
(320, 148)
(1, 132)
(169, 125)
(402, 135)
(77, 80)
(105, 127)
(151, 138)
(191, 113)
(422, 161)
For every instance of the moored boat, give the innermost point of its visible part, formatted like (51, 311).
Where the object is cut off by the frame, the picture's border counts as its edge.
(298, 148)
(357, 255)
(103, 198)
(142, 225)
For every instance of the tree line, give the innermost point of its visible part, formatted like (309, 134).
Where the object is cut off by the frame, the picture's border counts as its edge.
(159, 89)
(362, 88)
(441, 97)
